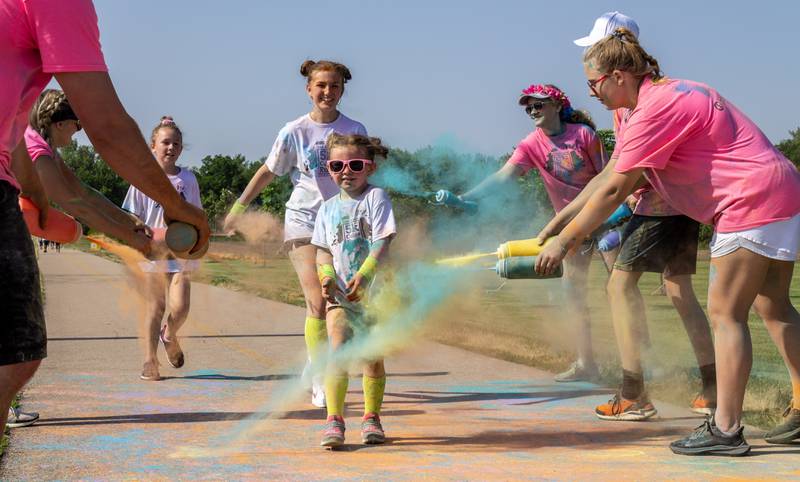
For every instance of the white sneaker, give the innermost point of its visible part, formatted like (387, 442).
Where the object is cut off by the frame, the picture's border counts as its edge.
(17, 418)
(318, 392)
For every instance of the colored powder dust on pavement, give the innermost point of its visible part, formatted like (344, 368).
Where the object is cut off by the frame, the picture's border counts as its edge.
(398, 312)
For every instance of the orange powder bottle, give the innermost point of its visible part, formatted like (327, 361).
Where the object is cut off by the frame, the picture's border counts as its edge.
(61, 227)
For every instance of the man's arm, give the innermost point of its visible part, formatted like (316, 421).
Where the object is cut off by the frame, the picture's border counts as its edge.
(117, 138)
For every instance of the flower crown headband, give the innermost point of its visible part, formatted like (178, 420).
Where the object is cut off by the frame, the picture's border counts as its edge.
(551, 92)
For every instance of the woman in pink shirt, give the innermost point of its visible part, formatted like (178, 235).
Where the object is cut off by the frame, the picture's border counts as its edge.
(710, 162)
(567, 153)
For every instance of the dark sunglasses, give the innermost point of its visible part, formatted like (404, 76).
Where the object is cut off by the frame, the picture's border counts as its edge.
(535, 106)
(355, 165)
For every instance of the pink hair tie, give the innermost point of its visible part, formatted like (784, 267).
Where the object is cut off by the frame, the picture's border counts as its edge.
(167, 121)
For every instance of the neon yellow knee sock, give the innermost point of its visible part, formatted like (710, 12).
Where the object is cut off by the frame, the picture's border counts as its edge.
(796, 394)
(316, 336)
(373, 394)
(335, 393)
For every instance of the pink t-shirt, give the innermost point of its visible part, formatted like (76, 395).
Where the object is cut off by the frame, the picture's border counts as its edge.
(649, 203)
(566, 162)
(36, 144)
(706, 158)
(39, 38)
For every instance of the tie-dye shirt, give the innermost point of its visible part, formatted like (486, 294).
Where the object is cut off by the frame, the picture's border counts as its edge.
(706, 158)
(566, 162)
(348, 227)
(300, 151)
(648, 202)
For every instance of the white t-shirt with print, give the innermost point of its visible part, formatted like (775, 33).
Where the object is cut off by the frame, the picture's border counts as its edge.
(300, 151)
(152, 214)
(347, 227)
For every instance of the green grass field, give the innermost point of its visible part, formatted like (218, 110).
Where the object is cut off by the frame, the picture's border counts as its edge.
(526, 322)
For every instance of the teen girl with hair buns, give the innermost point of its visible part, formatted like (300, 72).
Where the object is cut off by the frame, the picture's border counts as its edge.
(300, 151)
(712, 163)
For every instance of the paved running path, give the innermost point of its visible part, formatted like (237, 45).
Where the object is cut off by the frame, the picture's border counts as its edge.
(450, 414)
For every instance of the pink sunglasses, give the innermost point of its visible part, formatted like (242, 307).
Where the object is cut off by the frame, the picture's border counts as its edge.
(355, 165)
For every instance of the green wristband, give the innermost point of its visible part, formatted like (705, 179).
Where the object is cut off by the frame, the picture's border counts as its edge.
(325, 271)
(368, 268)
(238, 207)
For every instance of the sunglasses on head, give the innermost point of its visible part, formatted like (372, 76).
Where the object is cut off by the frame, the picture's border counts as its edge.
(538, 105)
(355, 165)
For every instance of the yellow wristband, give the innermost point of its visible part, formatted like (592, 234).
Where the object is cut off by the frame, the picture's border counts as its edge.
(368, 268)
(238, 208)
(325, 271)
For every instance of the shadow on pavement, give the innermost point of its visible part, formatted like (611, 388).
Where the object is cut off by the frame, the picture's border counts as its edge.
(178, 417)
(103, 338)
(319, 413)
(222, 377)
(544, 396)
(498, 441)
(769, 449)
(418, 374)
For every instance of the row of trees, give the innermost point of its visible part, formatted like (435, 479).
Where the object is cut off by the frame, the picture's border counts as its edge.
(411, 174)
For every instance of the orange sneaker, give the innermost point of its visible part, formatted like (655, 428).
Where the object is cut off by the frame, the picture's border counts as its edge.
(619, 408)
(702, 405)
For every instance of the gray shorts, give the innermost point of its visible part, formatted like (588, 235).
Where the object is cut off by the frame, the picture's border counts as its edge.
(23, 336)
(659, 244)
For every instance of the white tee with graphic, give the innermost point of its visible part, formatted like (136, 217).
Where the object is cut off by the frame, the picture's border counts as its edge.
(300, 151)
(347, 227)
(152, 214)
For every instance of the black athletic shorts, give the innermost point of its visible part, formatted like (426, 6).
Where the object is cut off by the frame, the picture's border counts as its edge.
(659, 244)
(23, 336)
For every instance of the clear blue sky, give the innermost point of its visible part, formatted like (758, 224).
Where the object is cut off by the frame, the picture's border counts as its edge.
(423, 70)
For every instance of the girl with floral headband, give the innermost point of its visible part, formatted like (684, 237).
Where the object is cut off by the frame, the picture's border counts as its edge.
(566, 151)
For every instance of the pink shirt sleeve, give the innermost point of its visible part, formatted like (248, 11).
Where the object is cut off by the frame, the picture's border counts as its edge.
(522, 157)
(37, 146)
(67, 35)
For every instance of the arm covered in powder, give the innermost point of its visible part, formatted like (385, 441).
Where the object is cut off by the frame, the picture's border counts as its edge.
(489, 185)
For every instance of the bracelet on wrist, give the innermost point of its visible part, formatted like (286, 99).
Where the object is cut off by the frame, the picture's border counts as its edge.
(368, 268)
(238, 207)
(325, 271)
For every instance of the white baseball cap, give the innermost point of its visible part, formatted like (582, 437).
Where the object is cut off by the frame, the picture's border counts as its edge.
(605, 26)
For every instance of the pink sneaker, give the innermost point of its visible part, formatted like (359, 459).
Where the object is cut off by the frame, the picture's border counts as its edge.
(371, 429)
(333, 434)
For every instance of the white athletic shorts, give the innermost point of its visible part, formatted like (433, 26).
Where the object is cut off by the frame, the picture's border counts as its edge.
(779, 240)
